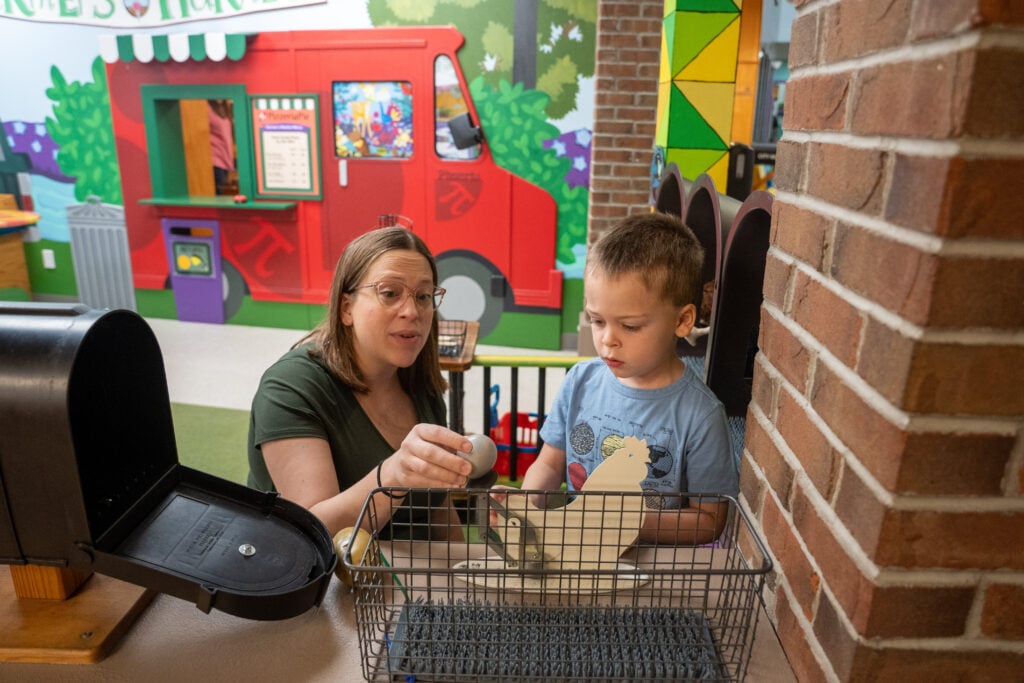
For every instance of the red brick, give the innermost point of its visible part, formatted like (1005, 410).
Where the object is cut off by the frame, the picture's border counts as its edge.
(938, 19)
(954, 464)
(956, 197)
(817, 102)
(996, 93)
(790, 158)
(852, 178)
(998, 12)
(751, 486)
(1003, 614)
(801, 233)
(978, 202)
(964, 288)
(803, 41)
(945, 664)
(860, 511)
(803, 581)
(853, 28)
(895, 275)
(776, 281)
(777, 471)
(875, 441)
(884, 360)
(834, 637)
(828, 317)
(787, 354)
(853, 591)
(952, 540)
(918, 197)
(763, 391)
(944, 378)
(805, 665)
(919, 611)
(924, 107)
(819, 460)
(610, 9)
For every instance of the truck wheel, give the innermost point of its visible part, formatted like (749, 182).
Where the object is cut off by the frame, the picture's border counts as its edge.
(471, 295)
(234, 288)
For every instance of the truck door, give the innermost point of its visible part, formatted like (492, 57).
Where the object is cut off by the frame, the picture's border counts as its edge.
(373, 122)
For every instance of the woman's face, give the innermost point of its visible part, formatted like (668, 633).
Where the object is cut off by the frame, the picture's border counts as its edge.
(388, 337)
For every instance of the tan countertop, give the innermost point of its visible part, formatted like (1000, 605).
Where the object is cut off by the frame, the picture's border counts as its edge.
(172, 640)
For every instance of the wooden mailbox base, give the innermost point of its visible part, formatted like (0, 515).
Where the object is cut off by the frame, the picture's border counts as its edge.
(78, 629)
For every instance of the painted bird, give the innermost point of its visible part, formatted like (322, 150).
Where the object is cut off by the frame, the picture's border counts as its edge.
(592, 530)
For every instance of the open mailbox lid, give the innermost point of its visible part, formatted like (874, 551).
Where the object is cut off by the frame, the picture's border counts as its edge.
(90, 478)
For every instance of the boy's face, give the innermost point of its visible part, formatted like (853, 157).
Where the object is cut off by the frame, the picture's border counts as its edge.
(635, 329)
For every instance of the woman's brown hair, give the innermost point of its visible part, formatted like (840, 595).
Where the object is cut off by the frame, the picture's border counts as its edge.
(331, 340)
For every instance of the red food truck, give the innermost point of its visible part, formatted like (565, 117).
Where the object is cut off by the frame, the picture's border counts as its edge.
(331, 129)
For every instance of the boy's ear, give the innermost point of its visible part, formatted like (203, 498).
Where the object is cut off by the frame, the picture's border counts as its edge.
(686, 318)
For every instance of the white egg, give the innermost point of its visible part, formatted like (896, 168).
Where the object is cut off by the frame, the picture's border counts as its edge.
(483, 456)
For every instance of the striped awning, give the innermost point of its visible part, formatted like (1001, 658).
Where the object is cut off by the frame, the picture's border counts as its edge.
(175, 46)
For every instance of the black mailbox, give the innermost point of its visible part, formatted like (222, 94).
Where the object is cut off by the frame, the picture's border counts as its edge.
(90, 478)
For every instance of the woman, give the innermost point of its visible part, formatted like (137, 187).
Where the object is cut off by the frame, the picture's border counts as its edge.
(358, 402)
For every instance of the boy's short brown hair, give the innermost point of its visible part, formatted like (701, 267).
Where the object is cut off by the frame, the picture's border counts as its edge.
(659, 248)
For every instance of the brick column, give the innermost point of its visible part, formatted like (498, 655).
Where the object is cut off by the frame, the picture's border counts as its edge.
(884, 442)
(625, 101)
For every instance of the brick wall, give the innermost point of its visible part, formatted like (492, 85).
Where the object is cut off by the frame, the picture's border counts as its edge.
(625, 101)
(884, 442)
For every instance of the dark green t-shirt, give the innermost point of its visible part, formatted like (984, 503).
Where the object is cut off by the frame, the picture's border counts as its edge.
(299, 397)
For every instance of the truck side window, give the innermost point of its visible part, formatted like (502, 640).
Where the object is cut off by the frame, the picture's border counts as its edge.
(449, 102)
(372, 119)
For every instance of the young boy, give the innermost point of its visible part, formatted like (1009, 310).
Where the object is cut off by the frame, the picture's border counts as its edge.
(641, 283)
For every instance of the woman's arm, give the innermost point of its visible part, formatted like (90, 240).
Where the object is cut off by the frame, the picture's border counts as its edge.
(302, 470)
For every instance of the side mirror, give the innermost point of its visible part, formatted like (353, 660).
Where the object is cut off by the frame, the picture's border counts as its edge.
(464, 133)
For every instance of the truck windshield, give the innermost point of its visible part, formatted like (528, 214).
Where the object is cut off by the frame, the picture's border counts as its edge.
(449, 102)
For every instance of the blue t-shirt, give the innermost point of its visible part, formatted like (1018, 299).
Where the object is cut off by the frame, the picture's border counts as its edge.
(684, 425)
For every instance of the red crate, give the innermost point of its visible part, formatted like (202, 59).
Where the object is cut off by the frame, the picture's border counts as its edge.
(526, 441)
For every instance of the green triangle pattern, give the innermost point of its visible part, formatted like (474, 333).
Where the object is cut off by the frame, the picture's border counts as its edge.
(693, 162)
(669, 36)
(695, 30)
(687, 128)
(706, 6)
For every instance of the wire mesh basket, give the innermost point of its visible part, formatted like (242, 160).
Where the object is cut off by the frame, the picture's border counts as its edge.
(506, 591)
(451, 338)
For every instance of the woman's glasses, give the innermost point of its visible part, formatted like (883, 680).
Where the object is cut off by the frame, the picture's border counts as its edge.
(391, 294)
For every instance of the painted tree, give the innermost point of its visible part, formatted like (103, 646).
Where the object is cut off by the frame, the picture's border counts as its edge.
(82, 128)
(564, 38)
(516, 131)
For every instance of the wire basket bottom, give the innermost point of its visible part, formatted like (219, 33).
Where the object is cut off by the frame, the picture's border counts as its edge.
(443, 641)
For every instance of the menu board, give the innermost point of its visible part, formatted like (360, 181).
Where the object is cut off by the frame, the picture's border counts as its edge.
(287, 145)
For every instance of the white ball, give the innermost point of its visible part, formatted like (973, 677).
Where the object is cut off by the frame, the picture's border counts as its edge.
(483, 456)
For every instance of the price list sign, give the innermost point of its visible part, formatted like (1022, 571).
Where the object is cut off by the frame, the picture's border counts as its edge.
(286, 142)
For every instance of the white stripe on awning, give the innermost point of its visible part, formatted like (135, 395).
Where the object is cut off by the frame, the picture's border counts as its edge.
(179, 47)
(142, 46)
(177, 44)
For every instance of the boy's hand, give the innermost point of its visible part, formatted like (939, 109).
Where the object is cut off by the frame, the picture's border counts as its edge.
(501, 498)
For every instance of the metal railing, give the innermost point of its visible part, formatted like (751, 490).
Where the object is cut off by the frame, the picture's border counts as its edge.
(521, 416)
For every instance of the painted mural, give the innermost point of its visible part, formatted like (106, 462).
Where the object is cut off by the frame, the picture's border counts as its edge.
(530, 94)
(706, 84)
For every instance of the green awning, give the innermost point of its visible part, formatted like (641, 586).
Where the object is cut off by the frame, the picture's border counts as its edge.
(177, 47)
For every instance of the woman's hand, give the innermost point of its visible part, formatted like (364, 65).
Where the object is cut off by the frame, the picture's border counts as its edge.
(426, 459)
